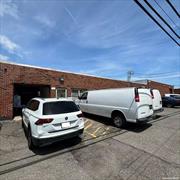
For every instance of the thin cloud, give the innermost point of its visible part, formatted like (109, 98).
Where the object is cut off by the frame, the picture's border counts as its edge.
(11, 47)
(7, 7)
(7, 44)
(44, 20)
(3, 57)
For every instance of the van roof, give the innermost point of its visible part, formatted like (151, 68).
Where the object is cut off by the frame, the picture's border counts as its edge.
(112, 89)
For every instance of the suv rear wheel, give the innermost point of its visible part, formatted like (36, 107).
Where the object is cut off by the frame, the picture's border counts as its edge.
(29, 138)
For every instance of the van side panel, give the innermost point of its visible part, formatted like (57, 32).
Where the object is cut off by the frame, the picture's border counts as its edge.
(104, 102)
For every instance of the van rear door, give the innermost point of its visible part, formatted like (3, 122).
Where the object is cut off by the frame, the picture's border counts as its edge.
(144, 103)
(157, 100)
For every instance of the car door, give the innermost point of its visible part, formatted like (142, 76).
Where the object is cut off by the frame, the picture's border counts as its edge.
(30, 108)
(83, 102)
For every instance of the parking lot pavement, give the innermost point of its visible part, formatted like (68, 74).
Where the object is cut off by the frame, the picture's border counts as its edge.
(150, 151)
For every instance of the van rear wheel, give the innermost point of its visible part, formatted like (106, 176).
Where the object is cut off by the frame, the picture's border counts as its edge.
(119, 120)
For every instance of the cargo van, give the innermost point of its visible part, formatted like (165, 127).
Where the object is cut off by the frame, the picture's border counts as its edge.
(157, 101)
(121, 104)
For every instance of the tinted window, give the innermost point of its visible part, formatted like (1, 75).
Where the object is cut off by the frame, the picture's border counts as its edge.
(84, 96)
(33, 105)
(59, 107)
(175, 96)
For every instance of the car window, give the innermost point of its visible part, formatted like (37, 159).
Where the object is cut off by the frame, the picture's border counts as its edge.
(84, 96)
(175, 96)
(33, 105)
(59, 107)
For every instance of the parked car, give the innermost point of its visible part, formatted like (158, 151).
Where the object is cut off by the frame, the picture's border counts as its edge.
(172, 95)
(50, 120)
(171, 101)
(121, 104)
(157, 101)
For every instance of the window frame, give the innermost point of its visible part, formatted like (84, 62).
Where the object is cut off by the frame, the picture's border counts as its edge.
(61, 89)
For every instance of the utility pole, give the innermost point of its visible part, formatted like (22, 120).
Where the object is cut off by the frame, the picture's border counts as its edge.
(129, 74)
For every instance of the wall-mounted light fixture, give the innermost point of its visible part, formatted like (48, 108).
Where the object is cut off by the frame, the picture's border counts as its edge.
(61, 79)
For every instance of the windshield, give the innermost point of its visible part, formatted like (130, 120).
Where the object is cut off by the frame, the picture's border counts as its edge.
(59, 107)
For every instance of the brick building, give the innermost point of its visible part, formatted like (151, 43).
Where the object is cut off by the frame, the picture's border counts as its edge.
(177, 91)
(30, 81)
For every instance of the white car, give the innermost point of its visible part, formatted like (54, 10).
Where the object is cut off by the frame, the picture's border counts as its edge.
(50, 120)
(121, 104)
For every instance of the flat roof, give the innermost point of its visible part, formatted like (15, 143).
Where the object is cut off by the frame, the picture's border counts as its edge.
(50, 69)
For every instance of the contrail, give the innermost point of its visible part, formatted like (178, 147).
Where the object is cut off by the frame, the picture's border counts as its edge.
(70, 14)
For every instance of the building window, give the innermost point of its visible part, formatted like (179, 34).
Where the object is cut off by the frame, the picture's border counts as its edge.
(77, 92)
(61, 93)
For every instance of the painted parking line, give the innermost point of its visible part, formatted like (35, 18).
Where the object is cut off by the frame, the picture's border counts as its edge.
(86, 120)
(105, 131)
(94, 133)
(88, 126)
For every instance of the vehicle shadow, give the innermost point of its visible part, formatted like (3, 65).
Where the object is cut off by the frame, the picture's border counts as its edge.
(129, 126)
(57, 146)
(69, 143)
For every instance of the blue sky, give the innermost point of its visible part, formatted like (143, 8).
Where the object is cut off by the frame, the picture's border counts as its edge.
(104, 38)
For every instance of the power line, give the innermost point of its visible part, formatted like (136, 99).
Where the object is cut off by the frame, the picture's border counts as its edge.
(166, 13)
(173, 8)
(161, 18)
(140, 5)
(154, 74)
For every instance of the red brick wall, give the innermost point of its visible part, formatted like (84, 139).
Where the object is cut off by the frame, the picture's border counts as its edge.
(10, 74)
(163, 88)
(177, 91)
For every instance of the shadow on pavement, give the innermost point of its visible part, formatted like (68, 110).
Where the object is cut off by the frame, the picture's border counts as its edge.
(65, 144)
(57, 146)
(129, 126)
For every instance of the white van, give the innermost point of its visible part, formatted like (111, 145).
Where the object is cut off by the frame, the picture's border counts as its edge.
(121, 104)
(157, 101)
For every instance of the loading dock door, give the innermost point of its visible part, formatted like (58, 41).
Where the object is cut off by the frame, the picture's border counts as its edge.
(24, 92)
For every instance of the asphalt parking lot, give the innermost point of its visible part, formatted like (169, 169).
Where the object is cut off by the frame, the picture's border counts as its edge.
(147, 151)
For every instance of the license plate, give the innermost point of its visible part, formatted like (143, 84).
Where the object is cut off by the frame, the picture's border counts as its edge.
(65, 125)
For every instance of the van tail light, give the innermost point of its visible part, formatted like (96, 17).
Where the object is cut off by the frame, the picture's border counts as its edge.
(80, 115)
(137, 99)
(43, 121)
(152, 95)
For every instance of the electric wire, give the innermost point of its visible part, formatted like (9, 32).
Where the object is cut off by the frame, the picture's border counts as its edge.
(174, 9)
(161, 17)
(145, 10)
(166, 14)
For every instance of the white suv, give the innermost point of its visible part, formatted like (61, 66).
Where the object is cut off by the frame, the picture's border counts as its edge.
(50, 120)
